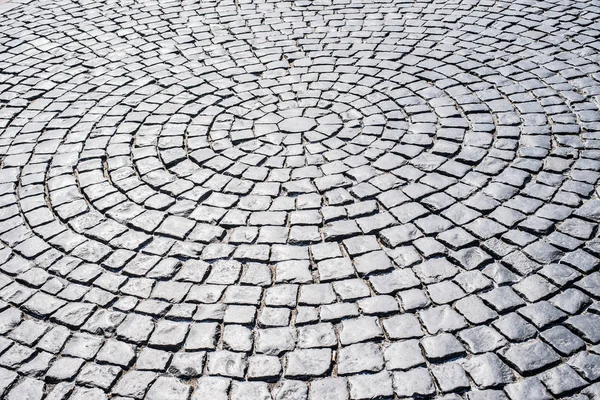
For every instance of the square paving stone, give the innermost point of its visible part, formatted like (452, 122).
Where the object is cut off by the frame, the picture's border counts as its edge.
(360, 357)
(369, 386)
(415, 382)
(307, 363)
(530, 357)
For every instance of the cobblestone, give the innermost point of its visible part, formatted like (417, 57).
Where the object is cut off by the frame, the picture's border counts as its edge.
(300, 200)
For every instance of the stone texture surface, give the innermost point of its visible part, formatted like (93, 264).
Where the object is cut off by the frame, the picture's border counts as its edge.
(333, 199)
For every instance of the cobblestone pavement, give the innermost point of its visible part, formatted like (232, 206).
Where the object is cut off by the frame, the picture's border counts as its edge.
(319, 200)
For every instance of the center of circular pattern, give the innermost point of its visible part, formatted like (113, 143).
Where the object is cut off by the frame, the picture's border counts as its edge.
(274, 127)
(297, 124)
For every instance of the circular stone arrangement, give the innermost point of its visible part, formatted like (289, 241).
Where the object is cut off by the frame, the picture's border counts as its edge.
(299, 200)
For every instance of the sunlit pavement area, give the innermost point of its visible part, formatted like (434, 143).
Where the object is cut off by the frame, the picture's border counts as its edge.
(293, 200)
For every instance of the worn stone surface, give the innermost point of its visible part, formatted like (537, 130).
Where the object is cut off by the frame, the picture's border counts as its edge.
(324, 200)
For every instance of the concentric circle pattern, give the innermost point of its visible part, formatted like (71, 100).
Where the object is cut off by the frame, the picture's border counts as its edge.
(299, 200)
